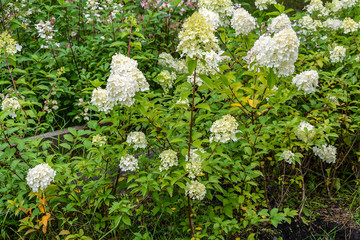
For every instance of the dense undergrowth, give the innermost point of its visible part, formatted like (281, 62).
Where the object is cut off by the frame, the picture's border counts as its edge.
(204, 119)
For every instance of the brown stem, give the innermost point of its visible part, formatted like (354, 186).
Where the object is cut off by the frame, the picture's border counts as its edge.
(129, 40)
(6, 166)
(190, 218)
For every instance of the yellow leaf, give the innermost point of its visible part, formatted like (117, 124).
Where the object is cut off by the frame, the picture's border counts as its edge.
(237, 238)
(44, 221)
(201, 174)
(244, 208)
(121, 179)
(64, 232)
(235, 105)
(42, 208)
(253, 103)
(198, 228)
(173, 208)
(263, 217)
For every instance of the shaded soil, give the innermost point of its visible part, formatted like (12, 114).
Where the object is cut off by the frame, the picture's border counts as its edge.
(319, 229)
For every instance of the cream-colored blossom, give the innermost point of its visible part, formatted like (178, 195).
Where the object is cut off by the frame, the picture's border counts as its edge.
(129, 163)
(306, 81)
(327, 153)
(12, 104)
(40, 177)
(288, 156)
(349, 25)
(195, 190)
(101, 101)
(137, 140)
(222, 7)
(168, 159)
(279, 23)
(166, 79)
(8, 44)
(305, 132)
(263, 4)
(99, 140)
(224, 129)
(243, 22)
(338, 54)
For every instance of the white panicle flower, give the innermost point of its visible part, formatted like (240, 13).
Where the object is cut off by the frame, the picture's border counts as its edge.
(140, 78)
(326, 153)
(181, 67)
(243, 22)
(348, 3)
(121, 89)
(224, 129)
(211, 17)
(334, 24)
(279, 52)
(12, 104)
(357, 59)
(99, 140)
(194, 169)
(349, 25)
(166, 79)
(122, 64)
(261, 52)
(45, 30)
(263, 4)
(315, 5)
(286, 52)
(197, 37)
(8, 43)
(279, 23)
(305, 132)
(166, 60)
(222, 7)
(335, 5)
(288, 156)
(128, 163)
(198, 81)
(168, 159)
(101, 101)
(195, 190)
(40, 177)
(307, 22)
(138, 139)
(338, 54)
(306, 81)
(194, 156)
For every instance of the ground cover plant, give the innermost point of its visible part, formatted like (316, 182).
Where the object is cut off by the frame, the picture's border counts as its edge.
(202, 119)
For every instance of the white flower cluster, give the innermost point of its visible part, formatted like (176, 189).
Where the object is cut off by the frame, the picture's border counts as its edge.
(306, 81)
(40, 177)
(279, 52)
(222, 7)
(243, 22)
(168, 159)
(183, 101)
(99, 140)
(315, 5)
(9, 44)
(224, 129)
(194, 167)
(279, 23)
(138, 139)
(12, 104)
(45, 30)
(129, 163)
(166, 79)
(197, 37)
(307, 23)
(349, 25)
(338, 54)
(263, 4)
(123, 83)
(211, 17)
(101, 101)
(195, 190)
(305, 132)
(95, 8)
(326, 153)
(167, 61)
(288, 156)
(334, 24)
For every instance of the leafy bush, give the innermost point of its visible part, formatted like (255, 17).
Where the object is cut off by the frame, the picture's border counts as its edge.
(195, 126)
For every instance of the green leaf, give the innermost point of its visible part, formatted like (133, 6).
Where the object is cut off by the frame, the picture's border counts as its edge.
(203, 106)
(191, 64)
(228, 211)
(271, 79)
(126, 220)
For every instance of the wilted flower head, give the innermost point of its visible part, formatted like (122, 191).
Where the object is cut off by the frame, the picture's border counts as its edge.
(224, 129)
(195, 190)
(305, 132)
(327, 153)
(349, 25)
(306, 81)
(263, 4)
(197, 37)
(280, 23)
(288, 156)
(40, 177)
(138, 139)
(12, 104)
(99, 140)
(243, 22)
(101, 101)
(128, 163)
(222, 7)
(338, 54)
(168, 159)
